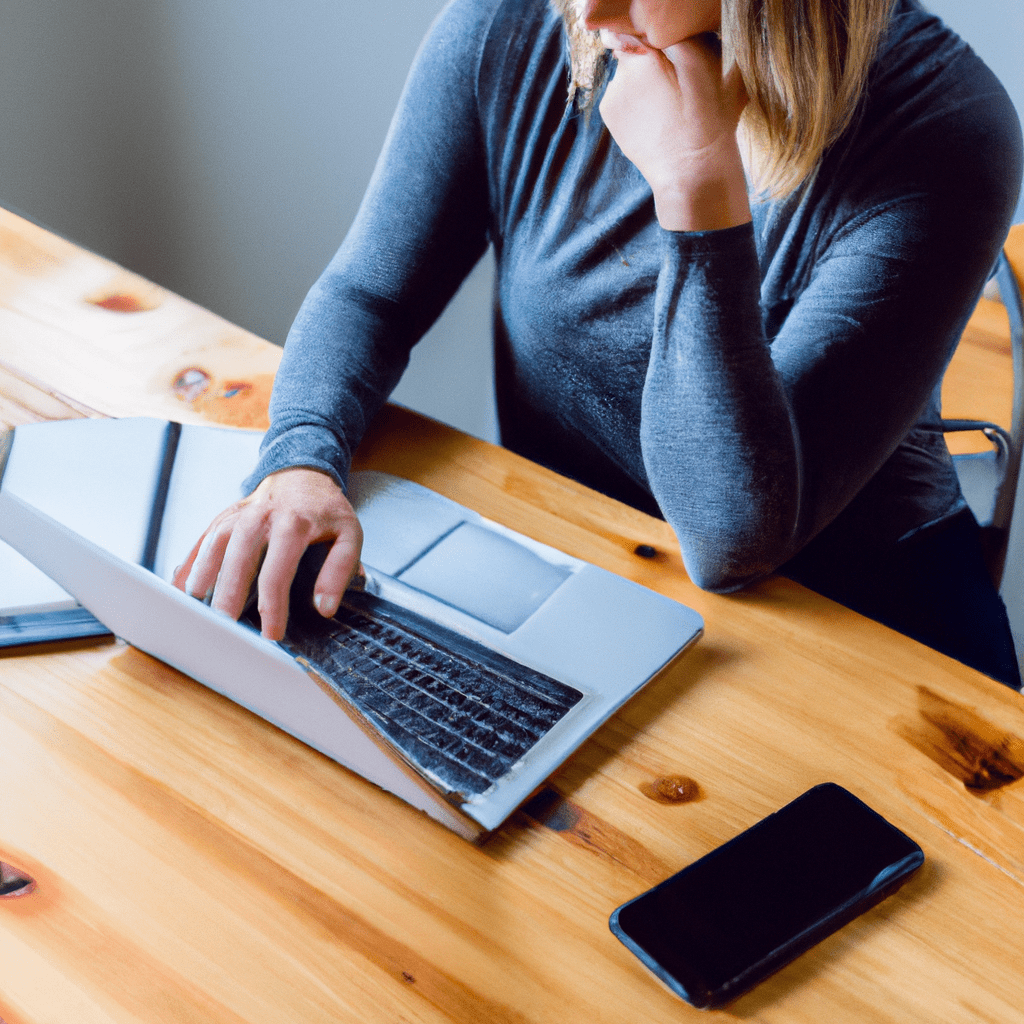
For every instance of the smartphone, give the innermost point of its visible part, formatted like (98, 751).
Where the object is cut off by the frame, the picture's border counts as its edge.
(721, 925)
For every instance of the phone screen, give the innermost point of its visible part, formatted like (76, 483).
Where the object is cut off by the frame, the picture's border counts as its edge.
(736, 915)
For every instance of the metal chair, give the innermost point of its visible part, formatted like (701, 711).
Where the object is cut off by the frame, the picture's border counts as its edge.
(989, 479)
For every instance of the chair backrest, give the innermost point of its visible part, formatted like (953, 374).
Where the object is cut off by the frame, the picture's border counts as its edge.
(1010, 292)
(1012, 583)
(989, 480)
(1012, 587)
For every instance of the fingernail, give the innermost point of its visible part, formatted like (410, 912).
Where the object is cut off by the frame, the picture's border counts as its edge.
(325, 604)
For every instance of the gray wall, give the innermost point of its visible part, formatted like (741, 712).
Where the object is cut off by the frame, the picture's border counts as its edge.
(221, 148)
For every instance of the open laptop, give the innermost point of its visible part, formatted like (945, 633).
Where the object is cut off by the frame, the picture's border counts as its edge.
(538, 647)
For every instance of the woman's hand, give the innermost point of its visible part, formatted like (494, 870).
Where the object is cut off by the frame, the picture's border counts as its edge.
(675, 115)
(287, 512)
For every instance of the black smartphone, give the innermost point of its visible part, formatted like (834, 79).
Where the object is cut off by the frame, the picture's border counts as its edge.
(726, 922)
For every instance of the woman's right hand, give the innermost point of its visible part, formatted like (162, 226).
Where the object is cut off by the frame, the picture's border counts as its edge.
(674, 113)
(287, 512)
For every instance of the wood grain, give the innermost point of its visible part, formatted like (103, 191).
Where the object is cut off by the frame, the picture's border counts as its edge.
(118, 344)
(24, 399)
(193, 863)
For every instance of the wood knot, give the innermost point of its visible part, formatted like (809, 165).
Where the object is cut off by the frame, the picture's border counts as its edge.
(408, 978)
(983, 756)
(192, 382)
(645, 551)
(14, 883)
(127, 293)
(671, 789)
(121, 304)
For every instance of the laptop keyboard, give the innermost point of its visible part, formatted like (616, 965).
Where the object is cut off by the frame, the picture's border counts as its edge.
(459, 712)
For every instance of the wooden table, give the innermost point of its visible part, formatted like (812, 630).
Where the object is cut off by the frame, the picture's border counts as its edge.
(194, 864)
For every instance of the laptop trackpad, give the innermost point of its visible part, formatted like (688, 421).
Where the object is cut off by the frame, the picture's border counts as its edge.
(487, 575)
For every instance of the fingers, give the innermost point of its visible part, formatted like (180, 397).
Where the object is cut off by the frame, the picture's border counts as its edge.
(340, 566)
(284, 549)
(181, 574)
(205, 569)
(714, 90)
(266, 534)
(233, 559)
(734, 85)
(707, 46)
(620, 42)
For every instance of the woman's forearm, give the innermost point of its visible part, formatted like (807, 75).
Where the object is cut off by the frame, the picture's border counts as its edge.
(718, 437)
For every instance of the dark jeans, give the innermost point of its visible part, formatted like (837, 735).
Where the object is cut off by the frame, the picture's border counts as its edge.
(933, 587)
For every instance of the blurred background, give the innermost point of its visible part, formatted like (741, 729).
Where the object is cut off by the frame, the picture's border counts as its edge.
(220, 148)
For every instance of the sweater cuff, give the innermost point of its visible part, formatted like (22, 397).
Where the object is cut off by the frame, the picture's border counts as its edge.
(722, 241)
(308, 446)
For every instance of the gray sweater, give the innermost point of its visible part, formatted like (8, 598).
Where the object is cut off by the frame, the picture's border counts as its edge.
(761, 387)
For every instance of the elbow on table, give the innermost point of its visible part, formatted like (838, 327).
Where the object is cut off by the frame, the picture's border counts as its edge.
(736, 540)
(721, 567)
(717, 582)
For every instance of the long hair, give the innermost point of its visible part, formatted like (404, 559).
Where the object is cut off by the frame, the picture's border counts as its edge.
(804, 64)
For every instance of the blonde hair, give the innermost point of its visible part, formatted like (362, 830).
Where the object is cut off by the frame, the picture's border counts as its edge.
(804, 64)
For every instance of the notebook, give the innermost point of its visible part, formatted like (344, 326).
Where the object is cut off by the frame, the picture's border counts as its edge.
(33, 609)
(474, 662)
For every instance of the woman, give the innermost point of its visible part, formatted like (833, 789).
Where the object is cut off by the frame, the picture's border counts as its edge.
(758, 365)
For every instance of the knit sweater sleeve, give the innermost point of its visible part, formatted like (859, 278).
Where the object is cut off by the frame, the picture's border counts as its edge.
(751, 448)
(420, 229)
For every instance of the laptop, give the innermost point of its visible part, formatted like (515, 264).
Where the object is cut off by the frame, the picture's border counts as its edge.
(521, 650)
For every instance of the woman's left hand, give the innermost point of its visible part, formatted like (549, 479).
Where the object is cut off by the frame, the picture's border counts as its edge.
(674, 114)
